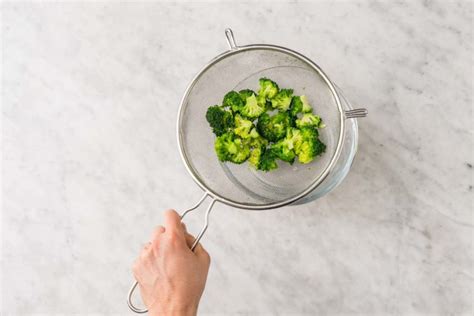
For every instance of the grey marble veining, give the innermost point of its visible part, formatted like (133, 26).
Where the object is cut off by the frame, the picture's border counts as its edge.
(89, 102)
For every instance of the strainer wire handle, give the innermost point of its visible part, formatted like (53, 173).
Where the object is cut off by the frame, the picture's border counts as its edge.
(196, 242)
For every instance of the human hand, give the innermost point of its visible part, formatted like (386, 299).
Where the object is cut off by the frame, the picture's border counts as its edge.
(171, 277)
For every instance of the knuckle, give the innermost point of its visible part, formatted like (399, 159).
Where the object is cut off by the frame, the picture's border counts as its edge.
(136, 266)
(206, 256)
(156, 251)
(144, 255)
(155, 245)
(173, 236)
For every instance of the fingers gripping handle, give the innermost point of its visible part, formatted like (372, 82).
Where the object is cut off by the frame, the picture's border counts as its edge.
(196, 242)
(206, 219)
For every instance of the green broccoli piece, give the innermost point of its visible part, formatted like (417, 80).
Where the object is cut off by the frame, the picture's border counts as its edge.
(257, 146)
(286, 148)
(243, 152)
(294, 138)
(319, 148)
(244, 94)
(267, 161)
(306, 153)
(254, 133)
(273, 127)
(233, 100)
(306, 106)
(256, 156)
(299, 105)
(244, 102)
(229, 147)
(263, 159)
(296, 106)
(311, 146)
(268, 88)
(282, 99)
(252, 109)
(309, 150)
(309, 119)
(225, 147)
(220, 120)
(308, 133)
(242, 126)
(261, 100)
(283, 150)
(255, 139)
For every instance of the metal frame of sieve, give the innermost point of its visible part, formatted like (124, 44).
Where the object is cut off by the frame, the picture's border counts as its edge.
(215, 197)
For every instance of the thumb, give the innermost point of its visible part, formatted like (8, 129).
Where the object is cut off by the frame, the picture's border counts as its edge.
(172, 221)
(173, 229)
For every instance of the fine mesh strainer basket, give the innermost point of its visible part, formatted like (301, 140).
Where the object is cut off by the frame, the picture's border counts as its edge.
(239, 185)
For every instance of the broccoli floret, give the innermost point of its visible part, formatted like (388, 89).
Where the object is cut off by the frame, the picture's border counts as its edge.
(225, 147)
(309, 119)
(244, 102)
(257, 145)
(233, 100)
(273, 127)
(219, 119)
(263, 159)
(256, 140)
(319, 148)
(306, 153)
(308, 133)
(309, 150)
(242, 126)
(252, 109)
(244, 94)
(306, 106)
(261, 100)
(282, 99)
(267, 161)
(254, 133)
(229, 147)
(299, 105)
(286, 148)
(283, 149)
(243, 152)
(268, 88)
(295, 138)
(296, 106)
(311, 146)
(255, 156)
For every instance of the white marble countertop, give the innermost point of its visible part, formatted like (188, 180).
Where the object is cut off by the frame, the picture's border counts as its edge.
(90, 160)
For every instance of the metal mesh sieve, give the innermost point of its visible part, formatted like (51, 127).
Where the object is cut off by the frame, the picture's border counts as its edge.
(240, 68)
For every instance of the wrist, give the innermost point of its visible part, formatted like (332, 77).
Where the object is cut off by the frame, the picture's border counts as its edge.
(173, 311)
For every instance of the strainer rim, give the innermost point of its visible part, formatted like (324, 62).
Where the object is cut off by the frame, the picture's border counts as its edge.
(315, 183)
